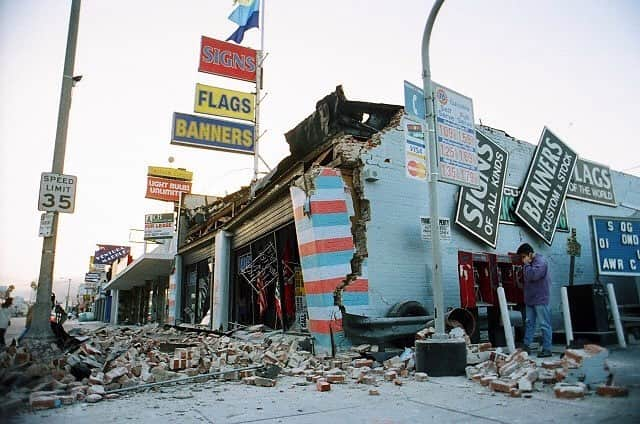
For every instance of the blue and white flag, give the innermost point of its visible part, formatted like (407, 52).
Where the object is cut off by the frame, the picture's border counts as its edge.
(246, 15)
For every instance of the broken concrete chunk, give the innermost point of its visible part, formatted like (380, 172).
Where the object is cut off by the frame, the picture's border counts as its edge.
(93, 398)
(421, 376)
(98, 390)
(115, 373)
(264, 382)
(361, 349)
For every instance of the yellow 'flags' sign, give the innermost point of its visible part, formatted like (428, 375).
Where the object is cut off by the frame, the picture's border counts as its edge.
(222, 102)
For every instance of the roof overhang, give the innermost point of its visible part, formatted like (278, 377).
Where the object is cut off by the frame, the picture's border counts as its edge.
(150, 266)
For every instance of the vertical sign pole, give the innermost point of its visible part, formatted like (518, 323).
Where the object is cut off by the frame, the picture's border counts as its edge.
(438, 298)
(256, 129)
(40, 330)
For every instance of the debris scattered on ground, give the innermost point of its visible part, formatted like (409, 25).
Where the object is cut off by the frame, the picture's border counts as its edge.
(116, 359)
(570, 377)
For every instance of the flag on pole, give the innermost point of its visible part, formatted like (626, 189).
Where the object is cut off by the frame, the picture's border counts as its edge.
(262, 296)
(277, 302)
(246, 15)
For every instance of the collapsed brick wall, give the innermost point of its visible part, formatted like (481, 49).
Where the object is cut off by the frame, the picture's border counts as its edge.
(323, 210)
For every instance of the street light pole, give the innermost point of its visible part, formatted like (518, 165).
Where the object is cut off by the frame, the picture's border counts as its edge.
(40, 331)
(430, 136)
(66, 305)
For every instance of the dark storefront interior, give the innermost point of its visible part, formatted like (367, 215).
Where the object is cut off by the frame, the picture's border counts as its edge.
(263, 274)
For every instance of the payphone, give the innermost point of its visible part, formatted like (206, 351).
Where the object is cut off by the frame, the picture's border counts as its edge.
(480, 274)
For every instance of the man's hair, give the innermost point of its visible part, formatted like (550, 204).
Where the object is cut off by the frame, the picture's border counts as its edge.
(524, 249)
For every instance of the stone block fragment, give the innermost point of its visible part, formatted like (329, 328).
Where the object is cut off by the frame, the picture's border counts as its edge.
(421, 376)
(612, 391)
(569, 391)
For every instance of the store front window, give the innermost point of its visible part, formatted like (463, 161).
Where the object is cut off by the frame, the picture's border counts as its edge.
(196, 292)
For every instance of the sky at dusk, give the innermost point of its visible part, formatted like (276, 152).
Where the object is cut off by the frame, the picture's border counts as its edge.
(570, 65)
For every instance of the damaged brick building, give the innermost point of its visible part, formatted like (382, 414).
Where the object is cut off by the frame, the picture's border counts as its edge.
(334, 231)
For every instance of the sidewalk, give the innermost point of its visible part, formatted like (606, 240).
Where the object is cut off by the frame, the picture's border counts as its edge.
(446, 399)
(293, 400)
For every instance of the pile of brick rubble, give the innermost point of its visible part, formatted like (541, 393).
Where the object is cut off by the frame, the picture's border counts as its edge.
(116, 359)
(572, 376)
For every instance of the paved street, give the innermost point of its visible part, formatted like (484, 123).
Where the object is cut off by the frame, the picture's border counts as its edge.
(446, 399)
(18, 323)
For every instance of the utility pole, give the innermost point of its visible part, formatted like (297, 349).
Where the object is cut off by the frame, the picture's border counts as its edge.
(438, 356)
(40, 334)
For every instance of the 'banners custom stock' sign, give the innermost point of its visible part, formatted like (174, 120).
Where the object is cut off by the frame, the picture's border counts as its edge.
(546, 185)
(510, 196)
(479, 209)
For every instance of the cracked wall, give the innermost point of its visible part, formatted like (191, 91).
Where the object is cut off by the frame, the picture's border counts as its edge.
(323, 212)
(386, 261)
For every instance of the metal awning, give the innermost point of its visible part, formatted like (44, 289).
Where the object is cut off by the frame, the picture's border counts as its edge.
(150, 266)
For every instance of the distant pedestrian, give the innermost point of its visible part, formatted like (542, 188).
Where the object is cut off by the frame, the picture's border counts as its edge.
(27, 325)
(537, 287)
(5, 319)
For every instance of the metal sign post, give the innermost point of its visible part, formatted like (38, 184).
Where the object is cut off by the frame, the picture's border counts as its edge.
(40, 331)
(430, 137)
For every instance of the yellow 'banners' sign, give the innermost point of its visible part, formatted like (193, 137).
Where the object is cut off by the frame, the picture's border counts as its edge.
(222, 102)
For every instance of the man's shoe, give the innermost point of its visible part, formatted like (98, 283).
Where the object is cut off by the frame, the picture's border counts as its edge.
(544, 354)
(526, 349)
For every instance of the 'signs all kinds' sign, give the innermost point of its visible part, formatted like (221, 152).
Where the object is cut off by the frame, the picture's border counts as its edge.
(617, 245)
(199, 131)
(546, 185)
(592, 182)
(227, 60)
(166, 189)
(479, 209)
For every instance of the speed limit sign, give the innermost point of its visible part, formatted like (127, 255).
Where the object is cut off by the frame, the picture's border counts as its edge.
(57, 193)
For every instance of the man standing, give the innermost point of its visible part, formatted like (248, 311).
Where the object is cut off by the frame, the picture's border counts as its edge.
(537, 285)
(5, 320)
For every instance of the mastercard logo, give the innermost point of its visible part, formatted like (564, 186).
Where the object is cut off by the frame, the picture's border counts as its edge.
(416, 169)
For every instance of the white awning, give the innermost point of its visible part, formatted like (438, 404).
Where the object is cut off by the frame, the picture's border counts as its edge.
(154, 265)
